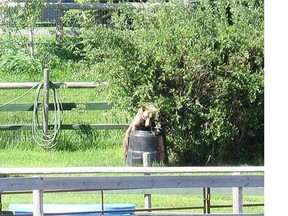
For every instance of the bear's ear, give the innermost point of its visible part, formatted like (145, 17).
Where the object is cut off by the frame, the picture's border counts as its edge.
(148, 106)
(151, 108)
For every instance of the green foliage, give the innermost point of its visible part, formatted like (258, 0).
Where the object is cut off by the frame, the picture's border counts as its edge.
(21, 17)
(20, 52)
(18, 62)
(201, 65)
(15, 58)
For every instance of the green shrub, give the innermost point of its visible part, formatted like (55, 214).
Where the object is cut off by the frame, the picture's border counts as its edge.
(15, 58)
(201, 65)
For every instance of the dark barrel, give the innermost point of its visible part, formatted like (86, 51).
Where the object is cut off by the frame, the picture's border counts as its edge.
(141, 141)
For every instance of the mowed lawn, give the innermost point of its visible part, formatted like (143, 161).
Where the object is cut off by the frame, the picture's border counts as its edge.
(51, 158)
(106, 157)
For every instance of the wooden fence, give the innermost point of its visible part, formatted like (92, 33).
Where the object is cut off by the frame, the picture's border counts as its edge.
(48, 106)
(60, 8)
(44, 131)
(182, 177)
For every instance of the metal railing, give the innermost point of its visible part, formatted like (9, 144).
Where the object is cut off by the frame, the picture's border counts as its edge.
(167, 177)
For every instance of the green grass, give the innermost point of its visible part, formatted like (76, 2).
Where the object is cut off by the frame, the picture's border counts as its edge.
(52, 158)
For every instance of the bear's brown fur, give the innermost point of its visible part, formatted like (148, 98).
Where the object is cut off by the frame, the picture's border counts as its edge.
(144, 119)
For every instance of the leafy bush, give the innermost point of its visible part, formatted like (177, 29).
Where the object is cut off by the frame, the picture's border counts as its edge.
(15, 58)
(20, 52)
(202, 65)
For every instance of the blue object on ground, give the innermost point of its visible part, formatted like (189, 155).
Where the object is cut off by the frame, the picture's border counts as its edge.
(74, 209)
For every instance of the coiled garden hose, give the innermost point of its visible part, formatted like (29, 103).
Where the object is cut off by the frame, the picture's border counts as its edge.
(42, 138)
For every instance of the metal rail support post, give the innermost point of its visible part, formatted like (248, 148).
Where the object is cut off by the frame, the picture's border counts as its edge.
(147, 197)
(38, 203)
(237, 198)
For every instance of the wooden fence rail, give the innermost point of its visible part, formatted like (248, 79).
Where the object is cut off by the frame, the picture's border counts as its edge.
(29, 85)
(128, 182)
(102, 105)
(87, 6)
(39, 185)
(123, 170)
(60, 7)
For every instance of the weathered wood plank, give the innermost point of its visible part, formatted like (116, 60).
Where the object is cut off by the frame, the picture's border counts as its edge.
(45, 105)
(128, 182)
(15, 127)
(86, 6)
(36, 31)
(29, 85)
(82, 170)
(22, 85)
(89, 6)
(20, 184)
(95, 127)
(102, 105)
(87, 106)
(83, 127)
(16, 107)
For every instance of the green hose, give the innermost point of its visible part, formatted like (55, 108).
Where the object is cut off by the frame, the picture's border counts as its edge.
(46, 140)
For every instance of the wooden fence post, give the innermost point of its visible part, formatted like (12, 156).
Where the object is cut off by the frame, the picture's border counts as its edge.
(38, 203)
(147, 197)
(237, 198)
(59, 22)
(46, 102)
(31, 41)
